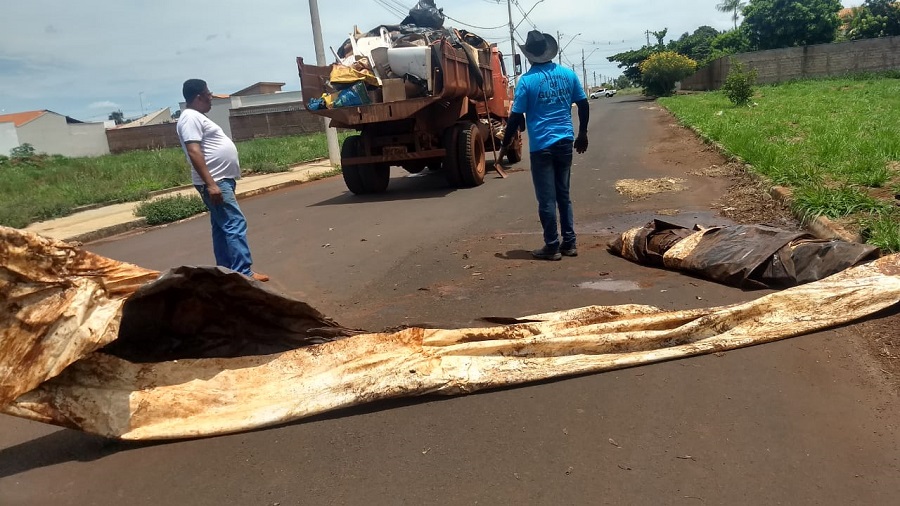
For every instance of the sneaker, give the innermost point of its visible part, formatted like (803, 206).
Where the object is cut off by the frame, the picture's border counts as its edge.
(567, 251)
(259, 277)
(546, 253)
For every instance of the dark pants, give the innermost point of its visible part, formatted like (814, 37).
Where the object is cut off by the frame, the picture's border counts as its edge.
(551, 171)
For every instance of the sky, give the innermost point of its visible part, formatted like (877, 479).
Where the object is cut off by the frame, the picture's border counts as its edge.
(87, 58)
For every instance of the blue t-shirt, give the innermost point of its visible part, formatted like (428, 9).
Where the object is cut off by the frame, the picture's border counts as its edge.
(545, 95)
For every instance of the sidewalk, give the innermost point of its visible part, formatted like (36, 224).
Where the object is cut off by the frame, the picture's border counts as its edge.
(98, 223)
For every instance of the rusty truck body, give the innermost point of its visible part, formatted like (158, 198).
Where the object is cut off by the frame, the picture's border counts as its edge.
(463, 115)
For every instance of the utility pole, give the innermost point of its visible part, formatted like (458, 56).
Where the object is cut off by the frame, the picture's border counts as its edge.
(334, 151)
(584, 83)
(512, 40)
(648, 37)
(595, 79)
(558, 42)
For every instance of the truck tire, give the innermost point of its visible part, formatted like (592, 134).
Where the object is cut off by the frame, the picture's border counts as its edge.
(471, 156)
(450, 165)
(362, 179)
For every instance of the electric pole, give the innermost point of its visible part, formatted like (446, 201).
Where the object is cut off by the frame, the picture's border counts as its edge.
(334, 151)
(648, 37)
(558, 42)
(584, 73)
(512, 40)
(595, 79)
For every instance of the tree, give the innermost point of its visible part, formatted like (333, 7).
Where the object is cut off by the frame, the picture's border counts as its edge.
(774, 24)
(875, 18)
(696, 46)
(631, 61)
(732, 6)
(117, 116)
(728, 43)
(662, 70)
(660, 35)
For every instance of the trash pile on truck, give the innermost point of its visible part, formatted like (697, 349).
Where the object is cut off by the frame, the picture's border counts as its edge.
(390, 63)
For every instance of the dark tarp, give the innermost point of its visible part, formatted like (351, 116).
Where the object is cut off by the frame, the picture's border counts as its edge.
(746, 256)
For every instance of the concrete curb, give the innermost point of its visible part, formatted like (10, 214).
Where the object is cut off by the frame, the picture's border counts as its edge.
(103, 233)
(821, 226)
(297, 175)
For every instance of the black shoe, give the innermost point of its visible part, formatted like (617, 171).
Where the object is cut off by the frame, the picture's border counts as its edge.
(568, 251)
(546, 253)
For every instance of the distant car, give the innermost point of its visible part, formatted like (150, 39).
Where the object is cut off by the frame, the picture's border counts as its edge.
(603, 92)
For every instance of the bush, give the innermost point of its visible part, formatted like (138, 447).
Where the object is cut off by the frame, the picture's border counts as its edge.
(26, 150)
(169, 209)
(661, 71)
(738, 85)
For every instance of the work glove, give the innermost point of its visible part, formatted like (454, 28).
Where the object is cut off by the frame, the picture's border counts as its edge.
(581, 143)
(502, 153)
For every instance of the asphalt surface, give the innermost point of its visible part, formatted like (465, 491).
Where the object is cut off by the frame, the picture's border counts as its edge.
(801, 421)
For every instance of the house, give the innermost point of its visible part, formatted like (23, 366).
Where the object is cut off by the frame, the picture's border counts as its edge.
(159, 117)
(52, 133)
(259, 98)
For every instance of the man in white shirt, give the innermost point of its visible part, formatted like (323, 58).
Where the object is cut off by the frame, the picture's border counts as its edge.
(214, 162)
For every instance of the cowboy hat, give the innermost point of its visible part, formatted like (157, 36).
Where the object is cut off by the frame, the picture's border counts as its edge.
(539, 47)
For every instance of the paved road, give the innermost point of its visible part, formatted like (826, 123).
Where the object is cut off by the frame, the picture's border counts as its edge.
(802, 421)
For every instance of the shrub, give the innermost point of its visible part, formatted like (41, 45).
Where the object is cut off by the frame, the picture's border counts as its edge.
(169, 209)
(739, 83)
(25, 150)
(662, 70)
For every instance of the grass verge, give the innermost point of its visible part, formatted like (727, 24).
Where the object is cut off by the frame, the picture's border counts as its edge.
(45, 187)
(169, 209)
(833, 141)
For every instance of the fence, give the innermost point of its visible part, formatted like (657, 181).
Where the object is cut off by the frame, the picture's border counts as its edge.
(141, 138)
(822, 60)
(273, 121)
(246, 123)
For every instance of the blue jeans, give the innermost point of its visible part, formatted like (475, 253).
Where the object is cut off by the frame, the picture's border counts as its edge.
(229, 229)
(551, 171)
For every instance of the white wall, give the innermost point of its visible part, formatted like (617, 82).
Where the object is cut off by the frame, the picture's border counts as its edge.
(9, 138)
(52, 135)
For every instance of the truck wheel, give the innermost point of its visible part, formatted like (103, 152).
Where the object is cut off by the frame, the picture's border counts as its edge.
(514, 155)
(351, 173)
(471, 161)
(450, 165)
(376, 178)
(366, 178)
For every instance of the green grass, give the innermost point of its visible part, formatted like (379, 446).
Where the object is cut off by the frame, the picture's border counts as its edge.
(169, 209)
(46, 187)
(834, 141)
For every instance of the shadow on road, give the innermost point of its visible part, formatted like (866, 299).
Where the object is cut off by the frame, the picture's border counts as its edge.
(516, 254)
(424, 185)
(61, 447)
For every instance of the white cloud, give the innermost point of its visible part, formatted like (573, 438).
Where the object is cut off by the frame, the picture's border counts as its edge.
(104, 105)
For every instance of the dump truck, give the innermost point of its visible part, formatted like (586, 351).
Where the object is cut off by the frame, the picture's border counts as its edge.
(450, 106)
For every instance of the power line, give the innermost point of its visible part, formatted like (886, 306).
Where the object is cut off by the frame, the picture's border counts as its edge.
(525, 15)
(504, 25)
(390, 8)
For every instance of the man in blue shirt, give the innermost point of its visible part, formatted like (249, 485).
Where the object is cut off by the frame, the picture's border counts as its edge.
(543, 100)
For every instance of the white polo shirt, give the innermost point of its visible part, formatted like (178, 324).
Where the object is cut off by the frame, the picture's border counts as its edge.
(219, 152)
